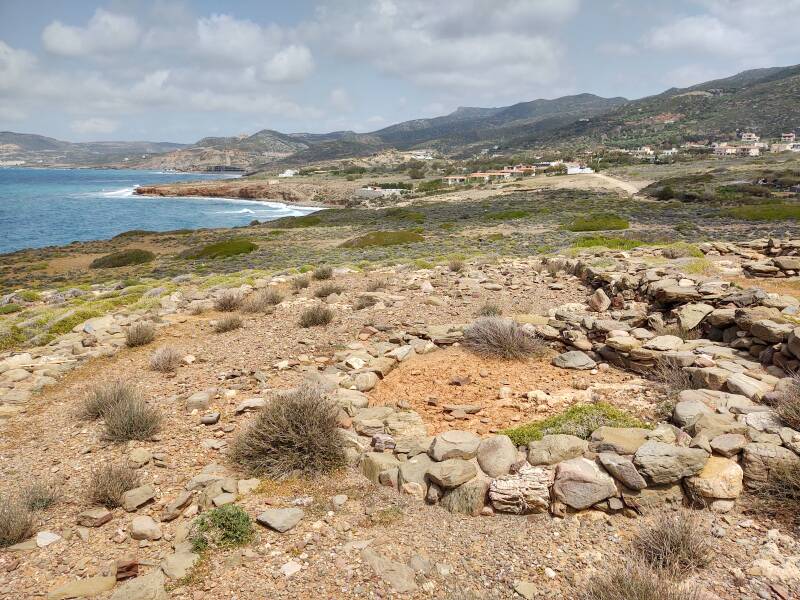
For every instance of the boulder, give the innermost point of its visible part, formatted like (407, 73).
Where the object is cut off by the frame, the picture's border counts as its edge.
(687, 412)
(414, 470)
(664, 343)
(739, 383)
(454, 444)
(623, 470)
(720, 478)
(144, 587)
(599, 301)
(496, 454)
(664, 463)
(200, 400)
(83, 588)
(138, 497)
(374, 463)
(621, 440)
(469, 498)
(575, 359)
(145, 528)
(178, 565)
(770, 331)
(280, 519)
(758, 459)
(580, 483)
(524, 492)
(452, 472)
(552, 449)
(728, 444)
(691, 315)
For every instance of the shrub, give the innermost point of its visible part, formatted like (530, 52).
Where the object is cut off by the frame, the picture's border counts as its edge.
(598, 222)
(384, 238)
(102, 397)
(16, 521)
(294, 434)
(508, 215)
(223, 249)
(166, 359)
(262, 301)
(132, 419)
(456, 265)
(297, 222)
(316, 316)
(229, 301)
(405, 214)
(375, 285)
(140, 334)
(682, 250)
(300, 283)
(228, 323)
(579, 420)
(326, 290)
(224, 527)
(40, 494)
(787, 406)
(108, 483)
(123, 258)
(7, 309)
(490, 310)
(631, 581)
(322, 273)
(672, 379)
(782, 487)
(675, 543)
(502, 338)
(612, 243)
(766, 212)
(365, 302)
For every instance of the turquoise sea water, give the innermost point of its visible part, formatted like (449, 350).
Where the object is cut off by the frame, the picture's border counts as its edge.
(46, 207)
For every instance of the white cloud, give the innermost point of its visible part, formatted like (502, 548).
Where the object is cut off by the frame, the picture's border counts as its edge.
(292, 64)
(340, 100)
(703, 33)
(94, 125)
(105, 32)
(617, 49)
(15, 66)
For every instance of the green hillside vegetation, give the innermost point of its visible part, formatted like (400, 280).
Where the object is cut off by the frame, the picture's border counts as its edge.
(123, 258)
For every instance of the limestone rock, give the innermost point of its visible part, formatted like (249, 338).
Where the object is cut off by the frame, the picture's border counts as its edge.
(144, 587)
(137, 497)
(527, 491)
(691, 315)
(468, 498)
(452, 472)
(454, 444)
(280, 519)
(580, 483)
(83, 588)
(663, 463)
(94, 517)
(145, 528)
(397, 575)
(552, 449)
(574, 359)
(374, 463)
(622, 469)
(758, 459)
(621, 440)
(720, 478)
(496, 454)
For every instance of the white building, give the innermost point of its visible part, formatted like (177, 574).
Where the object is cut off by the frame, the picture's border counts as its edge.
(749, 137)
(288, 173)
(579, 170)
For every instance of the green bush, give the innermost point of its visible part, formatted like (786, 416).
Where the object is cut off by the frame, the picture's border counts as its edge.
(297, 222)
(405, 214)
(228, 526)
(765, 212)
(598, 222)
(508, 215)
(384, 238)
(580, 420)
(123, 258)
(223, 249)
(7, 309)
(682, 250)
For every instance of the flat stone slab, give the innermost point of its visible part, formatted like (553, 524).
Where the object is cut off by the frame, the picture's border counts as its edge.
(575, 359)
(280, 519)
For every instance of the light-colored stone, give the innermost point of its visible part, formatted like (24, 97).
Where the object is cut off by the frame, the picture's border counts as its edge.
(552, 449)
(454, 444)
(452, 472)
(83, 588)
(664, 463)
(720, 478)
(580, 483)
(280, 519)
(496, 455)
(527, 491)
(145, 528)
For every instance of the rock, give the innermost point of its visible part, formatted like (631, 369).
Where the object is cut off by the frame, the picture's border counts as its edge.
(374, 463)
(454, 444)
(728, 444)
(280, 519)
(179, 565)
(526, 589)
(144, 587)
(45, 538)
(758, 459)
(621, 440)
(223, 499)
(552, 449)
(137, 497)
(599, 301)
(663, 463)
(405, 424)
(139, 457)
(739, 383)
(397, 575)
(414, 470)
(527, 491)
(691, 315)
(580, 483)
(687, 412)
(664, 343)
(145, 528)
(720, 478)
(623, 343)
(496, 455)
(575, 359)
(452, 472)
(94, 517)
(712, 425)
(468, 498)
(250, 404)
(364, 382)
(83, 588)
(622, 469)
(770, 331)
(200, 400)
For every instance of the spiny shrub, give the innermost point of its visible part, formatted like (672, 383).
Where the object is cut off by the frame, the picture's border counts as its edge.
(134, 419)
(375, 285)
(502, 338)
(228, 323)
(384, 238)
(140, 334)
(326, 290)
(103, 396)
(598, 222)
(109, 482)
(261, 301)
(229, 301)
(16, 521)
(225, 527)
(300, 283)
(166, 359)
(123, 258)
(322, 273)
(675, 543)
(316, 316)
(40, 494)
(631, 581)
(489, 310)
(456, 265)
(294, 434)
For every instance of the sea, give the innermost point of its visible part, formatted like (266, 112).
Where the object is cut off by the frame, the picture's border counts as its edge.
(47, 207)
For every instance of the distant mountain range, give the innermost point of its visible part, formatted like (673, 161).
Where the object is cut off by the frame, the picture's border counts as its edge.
(766, 101)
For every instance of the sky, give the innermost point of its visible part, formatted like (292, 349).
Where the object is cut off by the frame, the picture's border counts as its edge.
(179, 70)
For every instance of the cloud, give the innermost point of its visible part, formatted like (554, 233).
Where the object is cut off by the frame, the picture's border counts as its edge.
(292, 64)
(94, 125)
(703, 33)
(616, 49)
(340, 100)
(105, 32)
(15, 66)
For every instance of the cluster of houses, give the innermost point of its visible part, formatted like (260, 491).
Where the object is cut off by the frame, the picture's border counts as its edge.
(515, 171)
(748, 144)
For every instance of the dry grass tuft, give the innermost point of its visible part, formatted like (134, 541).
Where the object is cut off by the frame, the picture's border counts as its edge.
(166, 359)
(781, 490)
(456, 265)
(228, 323)
(631, 581)
(40, 494)
(229, 301)
(322, 273)
(489, 310)
(295, 434)
(102, 397)
(678, 331)
(674, 543)
(140, 334)
(787, 406)
(555, 266)
(326, 290)
(502, 338)
(300, 283)
(672, 380)
(376, 285)
(262, 301)
(109, 482)
(16, 521)
(316, 316)
(133, 419)
(365, 302)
